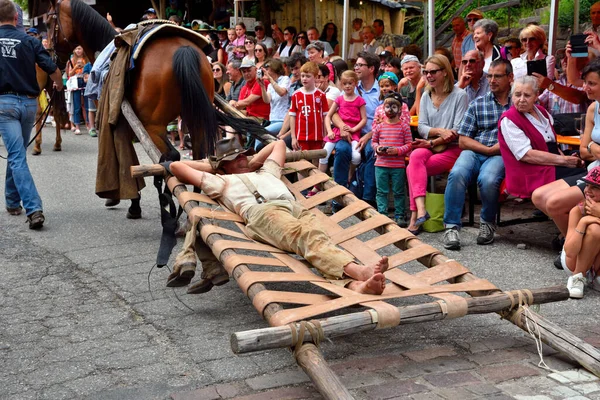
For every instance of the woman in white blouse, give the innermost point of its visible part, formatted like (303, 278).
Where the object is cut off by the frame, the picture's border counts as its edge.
(276, 94)
(533, 39)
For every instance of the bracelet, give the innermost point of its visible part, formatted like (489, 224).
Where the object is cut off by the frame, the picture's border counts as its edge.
(589, 146)
(578, 231)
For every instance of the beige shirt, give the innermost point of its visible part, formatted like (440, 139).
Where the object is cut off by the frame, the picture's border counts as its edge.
(233, 193)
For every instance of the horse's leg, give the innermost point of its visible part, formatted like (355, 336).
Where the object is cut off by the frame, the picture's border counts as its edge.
(58, 141)
(37, 147)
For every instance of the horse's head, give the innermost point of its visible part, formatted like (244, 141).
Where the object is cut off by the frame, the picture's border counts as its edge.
(60, 30)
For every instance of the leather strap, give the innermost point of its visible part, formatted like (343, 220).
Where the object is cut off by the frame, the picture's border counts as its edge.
(259, 197)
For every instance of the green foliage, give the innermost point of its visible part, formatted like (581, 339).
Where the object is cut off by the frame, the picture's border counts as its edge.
(22, 3)
(566, 11)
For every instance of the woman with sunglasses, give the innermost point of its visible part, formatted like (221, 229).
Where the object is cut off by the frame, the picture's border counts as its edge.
(222, 79)
(249, 45)
(442, 108)
(533, 39)
(260, 54)
(302, 41)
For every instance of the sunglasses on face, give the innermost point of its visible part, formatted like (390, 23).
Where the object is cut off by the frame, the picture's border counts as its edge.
(509, 47)
(431, 71)
(249, 42)
(469, 61)
(301, 37)
(472, 19)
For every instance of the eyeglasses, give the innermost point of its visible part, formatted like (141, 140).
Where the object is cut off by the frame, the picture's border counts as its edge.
(301, 37)
(258, 50)
(431, 71)
(360, 65)
(496, 76)
(525, 40)
(469, 61)
(509, 47)
(216, 69)
(472, 19)
(249, 42)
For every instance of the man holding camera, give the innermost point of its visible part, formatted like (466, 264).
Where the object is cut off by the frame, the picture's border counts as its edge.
(251, 95)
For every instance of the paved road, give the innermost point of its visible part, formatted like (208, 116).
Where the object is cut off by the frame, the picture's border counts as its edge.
(82, 316)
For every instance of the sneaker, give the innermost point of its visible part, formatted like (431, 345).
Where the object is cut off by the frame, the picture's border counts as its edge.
(558, 262)
(77, 132)
(401, 221)
(36, 220)
(596, 283)
(14, 210)
(575, 285)
(93, 132)
(486, 233)
(451, 239)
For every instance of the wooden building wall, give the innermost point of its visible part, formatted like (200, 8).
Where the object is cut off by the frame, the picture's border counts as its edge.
(305, 13)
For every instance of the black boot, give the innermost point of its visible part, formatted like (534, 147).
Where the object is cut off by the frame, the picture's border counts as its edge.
(135, 211)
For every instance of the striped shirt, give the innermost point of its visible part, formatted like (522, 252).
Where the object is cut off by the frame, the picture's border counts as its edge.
(481, 119)
(392, 135)
(310, 109)
(457, 47)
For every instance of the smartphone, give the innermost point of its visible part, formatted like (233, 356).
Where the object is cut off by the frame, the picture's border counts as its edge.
(538, 66)
(578, 45)
(383, 149)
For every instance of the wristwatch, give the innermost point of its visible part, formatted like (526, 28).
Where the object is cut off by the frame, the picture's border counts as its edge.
(551, 87)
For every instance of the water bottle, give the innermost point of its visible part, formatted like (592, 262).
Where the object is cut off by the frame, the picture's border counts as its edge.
(555, 107)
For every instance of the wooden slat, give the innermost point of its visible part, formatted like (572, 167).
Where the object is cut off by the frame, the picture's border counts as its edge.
(322, 197)
(362, 227)
(252, 277)
(349, 211)
(211, 213)
(388, 238)
(184, 197)
(412, 254)
(208, 230)
(309, 182)
(266, 297)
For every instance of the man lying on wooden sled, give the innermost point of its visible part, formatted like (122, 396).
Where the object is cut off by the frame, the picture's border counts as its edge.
(253, 189)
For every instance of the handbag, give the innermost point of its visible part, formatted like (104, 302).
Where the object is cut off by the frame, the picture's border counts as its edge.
(434, 204)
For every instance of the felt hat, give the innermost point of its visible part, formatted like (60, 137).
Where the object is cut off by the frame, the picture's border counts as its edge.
(593, 177)
(226, 150)
(475, 13)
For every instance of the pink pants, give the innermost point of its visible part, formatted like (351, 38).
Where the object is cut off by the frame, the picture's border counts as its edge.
(422, 164)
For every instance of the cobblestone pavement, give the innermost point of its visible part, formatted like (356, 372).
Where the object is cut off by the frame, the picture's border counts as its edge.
(82, 316)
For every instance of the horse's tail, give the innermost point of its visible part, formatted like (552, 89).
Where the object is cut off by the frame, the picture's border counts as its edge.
(196, 108)
(244, 125)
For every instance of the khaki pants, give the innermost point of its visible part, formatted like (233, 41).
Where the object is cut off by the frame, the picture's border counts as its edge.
(292, 228)
(193, 243)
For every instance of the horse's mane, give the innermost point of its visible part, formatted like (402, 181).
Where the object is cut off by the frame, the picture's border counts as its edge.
(94, 28)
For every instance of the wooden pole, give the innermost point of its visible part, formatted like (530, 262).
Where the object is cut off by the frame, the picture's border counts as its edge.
(140, 131)
(140, 171)
(281, 336)
(559, 339)
(311, 360)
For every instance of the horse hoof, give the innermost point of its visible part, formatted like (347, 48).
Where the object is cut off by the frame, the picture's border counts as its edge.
(57, 148)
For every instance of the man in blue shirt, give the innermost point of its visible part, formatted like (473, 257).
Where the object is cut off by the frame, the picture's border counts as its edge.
(480, 158)
(19, 90)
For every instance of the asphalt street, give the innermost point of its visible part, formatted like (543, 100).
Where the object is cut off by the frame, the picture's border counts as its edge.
(84, 315)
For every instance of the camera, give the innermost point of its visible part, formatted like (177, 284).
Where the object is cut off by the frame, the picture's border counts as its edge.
(259, 74)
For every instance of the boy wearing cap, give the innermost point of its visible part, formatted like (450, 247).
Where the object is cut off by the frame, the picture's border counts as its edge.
(392, 141)
(581, 255)
(307, 111)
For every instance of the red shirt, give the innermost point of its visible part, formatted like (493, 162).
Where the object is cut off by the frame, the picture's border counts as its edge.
(258, 108)
(310, 110)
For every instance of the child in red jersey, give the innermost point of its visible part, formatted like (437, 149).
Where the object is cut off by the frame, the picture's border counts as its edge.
(392, 141)
(307, 111)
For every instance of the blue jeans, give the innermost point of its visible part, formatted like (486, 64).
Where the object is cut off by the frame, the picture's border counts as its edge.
(273, 128)
(77, 110)
(370, 186)
(489, 172)
(341, 162)
(17, 115)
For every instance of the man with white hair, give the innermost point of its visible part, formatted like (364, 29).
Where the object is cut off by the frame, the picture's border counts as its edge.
(411, 69)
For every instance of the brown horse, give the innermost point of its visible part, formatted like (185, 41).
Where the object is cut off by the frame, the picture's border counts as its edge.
(172, 75)
(60, 113)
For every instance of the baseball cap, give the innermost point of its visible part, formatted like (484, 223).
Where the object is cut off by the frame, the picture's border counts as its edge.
(593, 177)
(32, 30)
(388, 75)
(385, 53)
(247, 64)
(409, 58)
(150, 11)
(475, 13)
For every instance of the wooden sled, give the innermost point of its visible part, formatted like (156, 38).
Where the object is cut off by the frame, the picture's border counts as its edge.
(303, 308)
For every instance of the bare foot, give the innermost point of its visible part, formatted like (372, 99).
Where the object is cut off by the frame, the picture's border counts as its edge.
(374, 285)
(365, 272)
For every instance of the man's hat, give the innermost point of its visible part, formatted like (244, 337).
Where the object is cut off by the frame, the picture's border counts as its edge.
(150, 11)
(227, 149)
(409, 58)
(247, 64)
(33, 30)
(385, 53)
(593, 177)
(475, 13)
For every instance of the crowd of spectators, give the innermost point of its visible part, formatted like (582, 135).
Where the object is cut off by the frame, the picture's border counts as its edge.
(477, 114)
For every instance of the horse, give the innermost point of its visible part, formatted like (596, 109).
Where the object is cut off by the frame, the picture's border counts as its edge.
(58, 106)
(158, 90)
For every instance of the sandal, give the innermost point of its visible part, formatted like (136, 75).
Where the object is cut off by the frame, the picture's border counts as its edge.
(313, 192)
